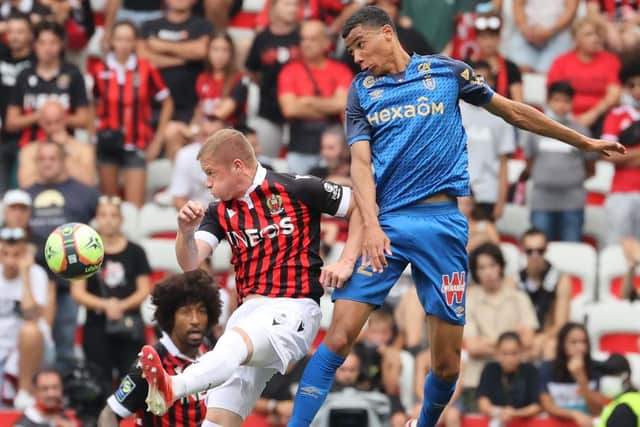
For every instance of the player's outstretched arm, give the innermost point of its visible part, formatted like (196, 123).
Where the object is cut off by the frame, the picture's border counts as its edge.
(375, 244)
(189, 251)
(528, 118)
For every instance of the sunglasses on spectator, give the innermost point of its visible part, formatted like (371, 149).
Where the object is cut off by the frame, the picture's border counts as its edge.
(531, 251)
(483, 23)
(12, 234)
(109, 200)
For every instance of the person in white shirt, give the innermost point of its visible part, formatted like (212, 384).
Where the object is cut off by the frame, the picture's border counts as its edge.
(27, 310)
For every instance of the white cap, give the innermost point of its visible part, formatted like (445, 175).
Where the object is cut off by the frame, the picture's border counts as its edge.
(16, 197)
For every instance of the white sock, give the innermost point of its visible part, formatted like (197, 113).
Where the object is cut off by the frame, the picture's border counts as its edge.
(207, 423)
(213, 368)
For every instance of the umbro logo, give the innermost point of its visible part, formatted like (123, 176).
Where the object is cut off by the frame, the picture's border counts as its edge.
(230, 212)
(301, 326)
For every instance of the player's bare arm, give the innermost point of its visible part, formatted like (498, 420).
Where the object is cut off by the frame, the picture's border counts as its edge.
(108, 418)
(528, 118)
(335, 275)
(189, 251)
(375, 243)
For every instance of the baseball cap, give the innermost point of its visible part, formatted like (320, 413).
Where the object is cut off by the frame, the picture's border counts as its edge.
(16, 197)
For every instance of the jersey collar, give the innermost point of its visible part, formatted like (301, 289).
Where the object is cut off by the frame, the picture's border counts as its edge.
(258, 179)
(166, 341)
(121, 71)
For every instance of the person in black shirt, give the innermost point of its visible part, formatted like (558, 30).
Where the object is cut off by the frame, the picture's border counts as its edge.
(15, 56)
(76, 16)
(187, 306)
(114, 330)
(508, 389)
(50, 78)
(177, 45)
(272, 48)
(411, 39)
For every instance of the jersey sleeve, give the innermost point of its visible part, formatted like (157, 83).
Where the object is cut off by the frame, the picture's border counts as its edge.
(357, 126)
(611, 127)
(210, 230)
(130, 395)
(287, 81)
(323, 196)
(471, 86)
(253, 58)
(240, 92)
(16, 98)
(160, 89)
(78, 90)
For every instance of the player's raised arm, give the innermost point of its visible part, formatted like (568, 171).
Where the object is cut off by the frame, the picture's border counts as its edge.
(191, 252)
(528, 118)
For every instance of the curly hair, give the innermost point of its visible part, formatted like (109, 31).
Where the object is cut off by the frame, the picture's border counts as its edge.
(188, 288)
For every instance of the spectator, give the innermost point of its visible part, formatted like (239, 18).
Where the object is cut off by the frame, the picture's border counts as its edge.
(509, 389)
(312, 94)
(591, 72)
(58, 199)
(222, 92)
(49, 409)
(27, 298)
(14, 57)
(220, 12)
(187, 306)
(360, 404)
(334, 13)
(188, 181)
(621, 19)
(549, 291)
(125, 86)
(176, 44)
(136, 11)
(490, 141)
(482, 228)
(411, 39)
(623, 124)
(558, 172)
(80, 157)
(543, 32)
(35, 10)
(381, 361)
(76, 16)
(50, 78)
(335, 157)
(493, 307)
(569, 382)
(616, 385)
(114, 330)
(271, 49)
(507, 80)
(17, 209)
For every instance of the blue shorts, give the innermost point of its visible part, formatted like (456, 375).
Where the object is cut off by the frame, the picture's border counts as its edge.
(432, 237)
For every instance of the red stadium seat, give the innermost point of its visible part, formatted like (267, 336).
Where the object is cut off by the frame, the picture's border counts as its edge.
(626, 342)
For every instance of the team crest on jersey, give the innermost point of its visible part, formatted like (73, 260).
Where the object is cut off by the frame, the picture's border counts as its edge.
(32, 81)
(453, 286)
(477, 79)
(429, 83)
(274, 203)
(64, 81)
(424, 67)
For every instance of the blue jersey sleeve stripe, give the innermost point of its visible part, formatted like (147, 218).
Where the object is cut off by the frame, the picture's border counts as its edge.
(357, 138)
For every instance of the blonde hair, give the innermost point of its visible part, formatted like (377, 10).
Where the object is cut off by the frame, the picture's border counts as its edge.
(226, 145)
(588, 20)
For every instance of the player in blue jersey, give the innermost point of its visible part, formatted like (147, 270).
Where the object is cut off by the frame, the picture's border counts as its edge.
(403, 119)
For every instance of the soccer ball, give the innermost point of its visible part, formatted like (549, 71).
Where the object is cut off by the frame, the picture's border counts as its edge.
(74, 251)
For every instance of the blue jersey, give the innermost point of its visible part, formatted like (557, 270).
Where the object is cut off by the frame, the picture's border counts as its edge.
(413, 123)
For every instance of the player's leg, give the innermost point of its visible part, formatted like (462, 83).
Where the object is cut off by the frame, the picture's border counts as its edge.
(353, 304)
(439, 271)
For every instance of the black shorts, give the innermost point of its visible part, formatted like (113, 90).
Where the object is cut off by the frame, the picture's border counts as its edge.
(128, 159)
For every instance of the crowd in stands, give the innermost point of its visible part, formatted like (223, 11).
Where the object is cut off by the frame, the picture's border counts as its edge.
(104, 105)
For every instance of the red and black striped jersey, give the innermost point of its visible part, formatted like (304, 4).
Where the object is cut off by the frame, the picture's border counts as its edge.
(31, 92)
(124, 96)
(211, 91)
(129, 398)
(274, 233)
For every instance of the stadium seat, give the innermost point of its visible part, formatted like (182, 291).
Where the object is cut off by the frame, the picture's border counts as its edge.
(513, 223)
(130, 215)
(617, 333)
(407, 378)
(157, 221)
(514, 169)
(595, 225)
(513, 259)
(599, 185)
(161, 254)
(578, 260)
(158, 176)
(279, 165)
(612, 266)
(534, 88)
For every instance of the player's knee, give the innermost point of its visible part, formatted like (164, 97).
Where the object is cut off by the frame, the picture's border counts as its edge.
(446, 368)
(339, 340)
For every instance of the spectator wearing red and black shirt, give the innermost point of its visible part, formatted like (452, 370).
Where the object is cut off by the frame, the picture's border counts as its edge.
(621, 18)
(312, 93)
(50, 78)
(177, 45)
(592, 73)
(222, 93)
(622, 124)
(76, 16)
(187, 307)
(125, 86)
(272, 48)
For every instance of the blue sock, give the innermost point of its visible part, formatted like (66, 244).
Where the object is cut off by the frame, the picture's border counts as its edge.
(314, 386)
(437, 393)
